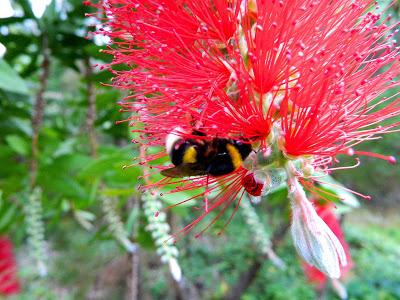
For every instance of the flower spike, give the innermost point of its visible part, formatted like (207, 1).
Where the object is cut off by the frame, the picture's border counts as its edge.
(295, 82)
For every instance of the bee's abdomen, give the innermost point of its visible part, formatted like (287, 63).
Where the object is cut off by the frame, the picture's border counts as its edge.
(221, 165)
(225, 161)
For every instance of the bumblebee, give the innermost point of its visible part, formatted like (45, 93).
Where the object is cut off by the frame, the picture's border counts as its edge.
(204, 156)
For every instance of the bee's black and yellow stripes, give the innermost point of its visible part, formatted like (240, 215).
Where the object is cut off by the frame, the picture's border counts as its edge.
(190, 155)
(216, 157)
(235, 155)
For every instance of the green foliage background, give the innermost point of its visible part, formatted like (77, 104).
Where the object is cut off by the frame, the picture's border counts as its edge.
(87, 210)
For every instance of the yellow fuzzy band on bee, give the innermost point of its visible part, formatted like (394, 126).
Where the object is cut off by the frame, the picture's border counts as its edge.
(235, 156)
(190, 156)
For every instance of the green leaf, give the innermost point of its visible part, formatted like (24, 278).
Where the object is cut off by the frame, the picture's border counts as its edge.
(11, 20)
(70, 163)
(62, 184)
(144, 239)
(96, 52)
(18, 144)
(115, 192)
(26, 7)
(111, 163)
(122, 177)
(98, 167)
(278, 196)
(178, 197)
(93, 190)
(7, 218)
(64, 148)
(331, 186)
(65, 205)
(10, 80)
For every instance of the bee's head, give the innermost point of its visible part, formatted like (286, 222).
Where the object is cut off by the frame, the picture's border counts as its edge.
(172, 138)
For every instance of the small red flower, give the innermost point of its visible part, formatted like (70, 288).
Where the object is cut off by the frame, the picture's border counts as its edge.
(252, 185)
(9, 283)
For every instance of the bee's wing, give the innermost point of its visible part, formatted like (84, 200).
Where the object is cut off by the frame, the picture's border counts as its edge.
(184, 170)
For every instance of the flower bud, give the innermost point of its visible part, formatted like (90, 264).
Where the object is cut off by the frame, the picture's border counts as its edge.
(253, 185)
(313, 239)
(261, 182)
(175, 269)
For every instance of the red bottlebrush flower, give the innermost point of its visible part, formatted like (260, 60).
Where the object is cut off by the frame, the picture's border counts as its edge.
(9, 283)
(234, 68)
(338, 100)
(298, 82)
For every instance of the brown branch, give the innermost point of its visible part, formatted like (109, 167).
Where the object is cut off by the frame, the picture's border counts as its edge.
(133, 279)
(185, 291)
(279, 234)
(246, 278)
(91, 111)
(38, 111)
(396, 7)
(112, 275)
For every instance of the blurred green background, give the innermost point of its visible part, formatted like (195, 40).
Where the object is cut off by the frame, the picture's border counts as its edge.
(75, 215)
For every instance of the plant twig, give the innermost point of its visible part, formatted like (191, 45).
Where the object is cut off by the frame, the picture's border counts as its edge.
(133, 284)
(91, 111)
(38, 111)
(246, 278)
